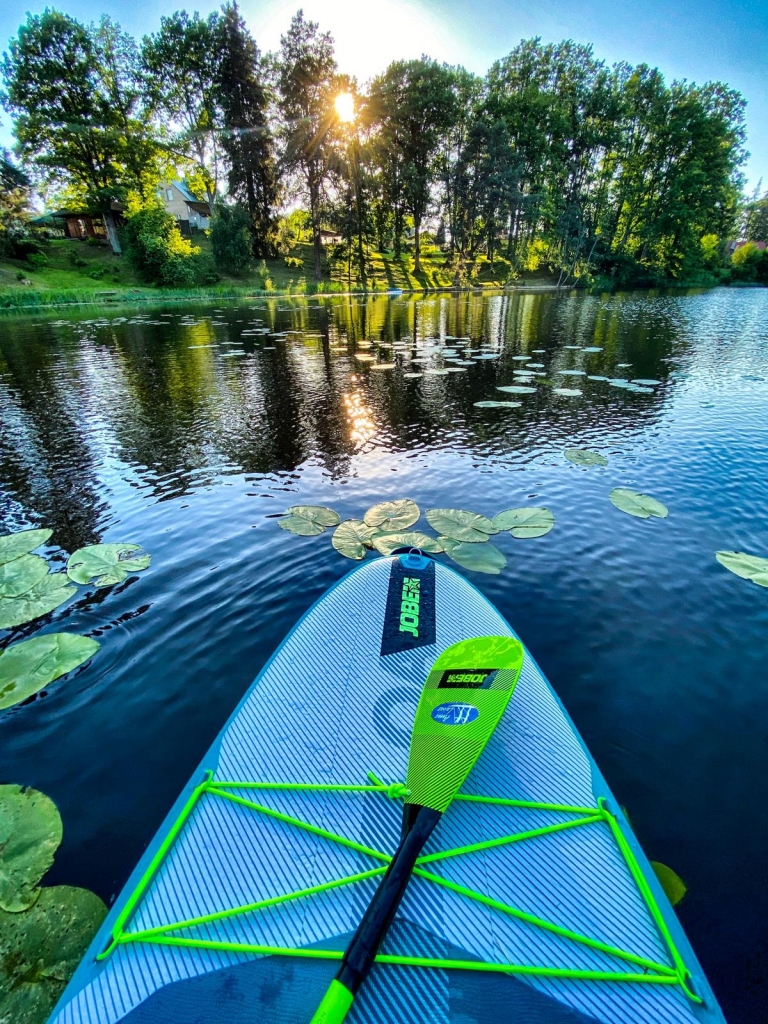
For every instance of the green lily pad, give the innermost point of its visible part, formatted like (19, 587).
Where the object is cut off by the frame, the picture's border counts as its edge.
(460, 525)
(593, 348)
(386, 543)
(584, 457)
(476, 557)
(594, 376)
(308, 520)
(28, 666)
(30, 835)
(20, 575)
(572, 373)
(41, 948)
(672, 884)
(517, 389)
(105, 564)
(13, 545)
(525, 522)
(647, 382)
(568, 392)
(352, 537)
(41, 597)
(636, 504)
(749, 567)
(389, 516)
(497, 405)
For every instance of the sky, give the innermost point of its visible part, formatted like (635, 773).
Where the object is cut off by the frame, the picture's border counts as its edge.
(697, 40)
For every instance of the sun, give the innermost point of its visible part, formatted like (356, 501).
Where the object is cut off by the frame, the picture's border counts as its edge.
(345, 106)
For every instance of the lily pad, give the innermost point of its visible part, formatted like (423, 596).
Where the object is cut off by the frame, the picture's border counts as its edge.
(18, 576)
(365, 357)
(584, 457)
(30, 835)
(529, 521)
(460, 525)
(646, 382)
(572, 373)
(352, 537)
(308, 520)
(412, 375)
(749, 567)
(521, 359)
(389, 516)
(383, 366)
(636, 504)
(672, 884)
(476, 557)
(41, 597)
(497, 405)
(568, 392)
(593, 348)
(386, 543)
(28, 666)
(105, 564)
(13, 545)
(594, 376)
(41, 948)
(437, 373)
(516, 389)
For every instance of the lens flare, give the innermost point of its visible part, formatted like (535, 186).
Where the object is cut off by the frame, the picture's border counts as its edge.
(345, 107)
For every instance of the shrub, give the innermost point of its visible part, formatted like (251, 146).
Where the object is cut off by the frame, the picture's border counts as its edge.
(156, 249)
(746, 263)
(231, 239)
(74, 259)
(293, 261)
(38, 260)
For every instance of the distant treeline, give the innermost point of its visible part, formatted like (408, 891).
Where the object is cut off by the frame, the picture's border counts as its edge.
(552, 159)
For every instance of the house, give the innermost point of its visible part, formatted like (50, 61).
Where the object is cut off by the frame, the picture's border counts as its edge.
(77, 224)
(330, 237)
(190, 213)
(737, 243)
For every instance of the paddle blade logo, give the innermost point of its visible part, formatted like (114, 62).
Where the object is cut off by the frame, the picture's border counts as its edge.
(455, 713)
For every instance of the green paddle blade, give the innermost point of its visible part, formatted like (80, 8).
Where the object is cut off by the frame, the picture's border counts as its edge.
(464, 697)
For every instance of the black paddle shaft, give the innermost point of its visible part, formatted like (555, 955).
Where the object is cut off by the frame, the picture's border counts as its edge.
(418, 825)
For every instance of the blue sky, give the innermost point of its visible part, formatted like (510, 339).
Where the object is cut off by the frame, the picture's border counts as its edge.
(693, 39)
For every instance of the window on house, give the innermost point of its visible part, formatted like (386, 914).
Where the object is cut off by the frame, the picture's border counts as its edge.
(169, 194)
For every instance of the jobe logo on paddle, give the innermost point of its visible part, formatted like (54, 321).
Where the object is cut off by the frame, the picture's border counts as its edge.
(409, 606)
(455, 713)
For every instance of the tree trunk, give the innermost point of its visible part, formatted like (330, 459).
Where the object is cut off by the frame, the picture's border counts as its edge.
(417, 246)
(111, 228)
(315, 232)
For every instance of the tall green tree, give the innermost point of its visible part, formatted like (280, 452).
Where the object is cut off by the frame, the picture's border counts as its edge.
(14, 200)
(246, 138)
(306, 79)
(77, 107)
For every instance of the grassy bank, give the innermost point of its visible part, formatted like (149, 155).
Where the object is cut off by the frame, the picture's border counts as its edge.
(81, 272)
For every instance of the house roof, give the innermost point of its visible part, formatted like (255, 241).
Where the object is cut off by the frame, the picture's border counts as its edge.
(191, 199)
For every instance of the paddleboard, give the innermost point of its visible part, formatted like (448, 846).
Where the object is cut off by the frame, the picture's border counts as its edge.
(532, 900)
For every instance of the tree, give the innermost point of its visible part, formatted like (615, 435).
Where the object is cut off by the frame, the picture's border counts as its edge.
(180, 67)
(155, 246)
(77, 109)
(306, 80)
(245, 136)
(231, 238)
(416, 105)
(14, 201)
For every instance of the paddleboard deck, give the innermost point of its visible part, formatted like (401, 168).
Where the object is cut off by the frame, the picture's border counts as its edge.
(554, 915)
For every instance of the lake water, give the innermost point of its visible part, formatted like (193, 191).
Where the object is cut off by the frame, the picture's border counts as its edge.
(182, 430)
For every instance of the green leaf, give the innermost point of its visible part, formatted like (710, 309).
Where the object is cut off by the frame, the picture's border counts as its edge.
(30, 835)
(392, 515)
(105, 564)
(28, 666)
(352, 537)
(636, 504)
(584, 457)
(749, 567)
(568, 392)
(593, 348)
(647, 382)
(525, 522)
(517, 389)
(460, 525)
(477, 557)
(385, 543)
(308, 520)
(672, 884)
(15, 544)
(20, 575)
(497, 405)
(572, 373)
(41, 948)
(42, 597)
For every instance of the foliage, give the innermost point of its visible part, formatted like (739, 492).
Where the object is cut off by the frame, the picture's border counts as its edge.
(231, 238)
(749, 263)
(14, 203)
(156, 248)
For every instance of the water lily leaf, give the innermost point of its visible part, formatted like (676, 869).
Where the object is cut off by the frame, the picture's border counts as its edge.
(646, 382)
(525, 522)
(18, 576)
(30, 835)
(623, 366)
(28, 666)
(593, 348)
(517, 389)
(389, 516)
(636, 504)
(386, 543)
(476, 557)
(308, 520)
(460, 525)
(535, 366)
(749, 567)
(437, 373)
(383, 366)
(497, 405)
(41, 597)
(105, 563)
(672, 884)
(365, 357)
(573, 347)
(595, 377)
(457, 369)
(568, 392)
(584, 457)
(41, 948)
(412, 375)
(13, 545)
(521, 359)
(352, 537)
(572, 373)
